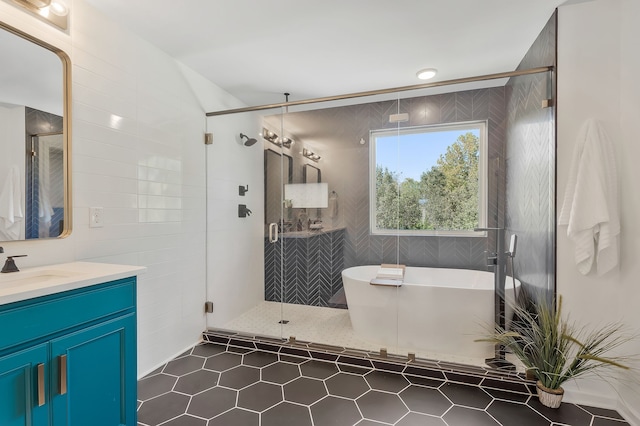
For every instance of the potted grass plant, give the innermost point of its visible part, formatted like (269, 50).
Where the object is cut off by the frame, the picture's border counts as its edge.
(555, 350)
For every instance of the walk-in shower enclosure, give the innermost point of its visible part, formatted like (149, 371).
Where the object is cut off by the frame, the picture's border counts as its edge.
(396, 177)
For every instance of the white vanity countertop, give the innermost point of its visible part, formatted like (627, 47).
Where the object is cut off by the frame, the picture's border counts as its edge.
(44, 280)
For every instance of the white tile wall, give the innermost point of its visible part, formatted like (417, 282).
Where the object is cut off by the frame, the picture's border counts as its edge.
(138, 124)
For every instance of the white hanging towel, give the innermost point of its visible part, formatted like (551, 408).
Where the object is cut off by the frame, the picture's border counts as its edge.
(590, 207)
(11, 214)
(333, 205)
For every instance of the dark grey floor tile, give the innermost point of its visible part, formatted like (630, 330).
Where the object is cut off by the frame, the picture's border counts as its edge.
(366, 422)
(186, 420)
(212, 402)
(259, 359)
(489, 382)
(260, 396)
(318, 369)
(424, 381)
(280, 372)
(163, 408)
(425, 400)
(388, 366)
(223, 361)
(416, 419)
(208, 349)
(508, 396)
(286, 414)
(566, 413)
(184, 365)
(467, 395)
(602, 412)
(601, 421)
(197, 381)
(347, 385)
(424, 372)
(292, 359)
(156, 371)
(304, 390)
(236, 417)
(353, 369)
(381, 406)
(239, 377)
(463, 378)
(239, 350)
(333, 411)
(153, 386)
(390, 382)
(469, 416)
(505, 412)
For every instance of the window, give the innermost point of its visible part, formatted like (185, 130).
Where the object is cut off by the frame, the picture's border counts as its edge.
(429, 180)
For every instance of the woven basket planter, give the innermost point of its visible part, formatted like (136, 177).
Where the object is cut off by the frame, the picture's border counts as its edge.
(551, 398)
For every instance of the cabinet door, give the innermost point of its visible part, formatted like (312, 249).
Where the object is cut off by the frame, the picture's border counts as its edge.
(94, 375)
(23, 388)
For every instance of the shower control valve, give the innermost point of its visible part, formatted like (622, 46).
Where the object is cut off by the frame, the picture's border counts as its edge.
(243, 211)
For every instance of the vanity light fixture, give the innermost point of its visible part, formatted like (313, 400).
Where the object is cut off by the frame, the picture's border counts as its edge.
(426, 73)
(310, 155)
(55, 12)
(276, 140)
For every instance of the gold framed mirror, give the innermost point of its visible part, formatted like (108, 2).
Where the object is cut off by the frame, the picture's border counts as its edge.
(35, 138)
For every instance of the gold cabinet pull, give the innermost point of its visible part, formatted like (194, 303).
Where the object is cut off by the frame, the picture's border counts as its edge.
(62, 359)
(41, 385)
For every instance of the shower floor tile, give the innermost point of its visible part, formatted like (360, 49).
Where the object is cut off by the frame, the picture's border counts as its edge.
(329, 326)
(269, 389)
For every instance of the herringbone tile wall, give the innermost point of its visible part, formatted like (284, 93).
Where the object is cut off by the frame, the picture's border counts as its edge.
(349, 176)
(531, 164)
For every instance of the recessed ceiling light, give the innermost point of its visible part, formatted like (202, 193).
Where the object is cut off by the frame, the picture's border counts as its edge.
(59, 8)
(426, 73)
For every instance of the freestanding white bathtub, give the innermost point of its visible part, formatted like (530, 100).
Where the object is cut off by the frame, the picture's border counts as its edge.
(437, 311)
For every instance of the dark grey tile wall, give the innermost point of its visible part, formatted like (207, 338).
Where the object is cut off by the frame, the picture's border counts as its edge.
(310, 272)
(350, 173)
(530, 157)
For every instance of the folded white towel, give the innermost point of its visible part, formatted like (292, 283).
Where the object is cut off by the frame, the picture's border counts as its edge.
(11, 213)
(590, 207)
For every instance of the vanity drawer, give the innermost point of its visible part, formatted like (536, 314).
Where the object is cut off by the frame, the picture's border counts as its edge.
(24, 321)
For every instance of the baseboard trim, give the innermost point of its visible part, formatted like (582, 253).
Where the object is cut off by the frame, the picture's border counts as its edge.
(161, 363)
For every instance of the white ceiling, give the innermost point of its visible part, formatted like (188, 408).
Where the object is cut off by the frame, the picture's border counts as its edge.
(259, 49)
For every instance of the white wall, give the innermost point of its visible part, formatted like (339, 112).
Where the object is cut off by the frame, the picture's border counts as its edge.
(235, 248)
(137, 129)
(598, 67)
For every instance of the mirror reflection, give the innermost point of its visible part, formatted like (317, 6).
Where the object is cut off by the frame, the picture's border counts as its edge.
(33, 139)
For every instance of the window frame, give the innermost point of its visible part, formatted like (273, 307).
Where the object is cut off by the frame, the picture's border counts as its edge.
(483, 176)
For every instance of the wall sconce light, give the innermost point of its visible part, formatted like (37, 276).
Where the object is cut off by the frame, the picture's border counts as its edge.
(310, 155)
(55, 12)
(276, 140)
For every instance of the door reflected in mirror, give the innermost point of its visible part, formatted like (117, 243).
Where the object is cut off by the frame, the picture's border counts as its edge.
(35, 197)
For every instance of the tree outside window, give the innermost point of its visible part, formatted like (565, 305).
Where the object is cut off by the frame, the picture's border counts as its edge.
(429, 179)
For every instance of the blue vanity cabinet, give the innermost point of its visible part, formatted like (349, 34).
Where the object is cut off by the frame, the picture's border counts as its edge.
(23, 392)
(69, 359)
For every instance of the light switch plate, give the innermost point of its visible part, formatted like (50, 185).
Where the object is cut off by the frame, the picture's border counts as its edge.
(96, 217)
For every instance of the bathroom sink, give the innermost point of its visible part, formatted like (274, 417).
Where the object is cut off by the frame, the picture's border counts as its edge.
(21, 278)
(45, 280)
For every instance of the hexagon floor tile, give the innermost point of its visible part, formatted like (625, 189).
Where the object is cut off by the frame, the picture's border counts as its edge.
(216, 385)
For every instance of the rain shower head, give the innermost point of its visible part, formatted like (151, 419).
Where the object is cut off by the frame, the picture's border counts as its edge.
(249, 141)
